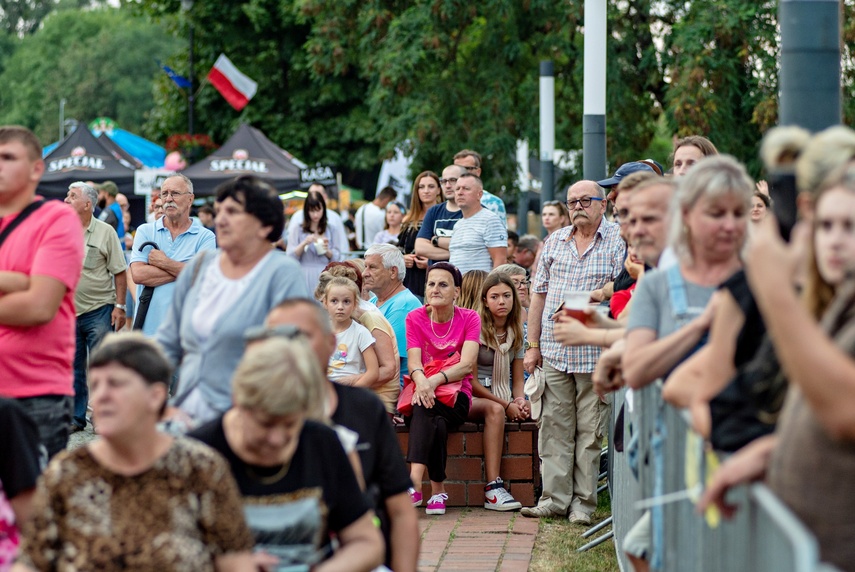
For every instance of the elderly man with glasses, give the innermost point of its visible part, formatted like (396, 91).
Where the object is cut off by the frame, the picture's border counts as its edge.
(583, 256)
(163, 247)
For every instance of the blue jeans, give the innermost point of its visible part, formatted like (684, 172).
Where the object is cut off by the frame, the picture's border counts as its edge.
(91, 329)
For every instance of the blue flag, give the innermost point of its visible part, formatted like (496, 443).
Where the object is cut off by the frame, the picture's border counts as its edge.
(179, 80)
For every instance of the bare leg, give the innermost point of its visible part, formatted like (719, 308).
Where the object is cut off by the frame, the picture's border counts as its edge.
(494, 433)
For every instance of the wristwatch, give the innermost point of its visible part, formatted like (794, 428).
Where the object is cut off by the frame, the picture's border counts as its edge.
(529, 345)
(121, 307)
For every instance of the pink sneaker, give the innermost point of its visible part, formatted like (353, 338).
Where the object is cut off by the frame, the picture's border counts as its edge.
(436, 504)
(415, 496)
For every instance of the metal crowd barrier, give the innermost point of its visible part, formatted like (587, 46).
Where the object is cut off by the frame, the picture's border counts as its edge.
(764, 536)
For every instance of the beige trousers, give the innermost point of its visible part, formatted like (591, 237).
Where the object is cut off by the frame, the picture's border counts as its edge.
(572, 425)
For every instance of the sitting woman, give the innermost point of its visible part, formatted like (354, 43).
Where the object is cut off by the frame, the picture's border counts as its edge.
(297, 485)
(438, 332)
(354, 360)
(498, 391)
(136, 498)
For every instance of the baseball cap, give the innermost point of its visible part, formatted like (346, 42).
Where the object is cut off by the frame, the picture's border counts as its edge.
(628, 169)
(534, 389)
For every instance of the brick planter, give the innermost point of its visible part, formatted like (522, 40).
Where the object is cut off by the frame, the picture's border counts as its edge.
(466, 479)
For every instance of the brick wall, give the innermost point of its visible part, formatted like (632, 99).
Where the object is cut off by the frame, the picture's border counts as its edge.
(465, 469)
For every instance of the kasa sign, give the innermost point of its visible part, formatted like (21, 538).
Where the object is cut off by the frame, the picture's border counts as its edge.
(78, 160)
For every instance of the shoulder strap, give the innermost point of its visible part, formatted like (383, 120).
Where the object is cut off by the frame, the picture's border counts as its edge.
(30, 209)
(677, 291)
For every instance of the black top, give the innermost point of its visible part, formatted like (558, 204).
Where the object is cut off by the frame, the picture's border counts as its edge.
(753, 330)
(292, 517)
(414, 279)
(383, 464)
(623, 281)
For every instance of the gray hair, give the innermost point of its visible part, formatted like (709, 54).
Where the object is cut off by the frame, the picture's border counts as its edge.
(184, 178)
(321, 314)
(90, 193)
(391, 255)
(509, 269)
(529, 242)
(711, 177)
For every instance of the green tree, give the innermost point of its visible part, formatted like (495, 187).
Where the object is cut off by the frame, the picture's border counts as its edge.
(84, 57)
(319, 119)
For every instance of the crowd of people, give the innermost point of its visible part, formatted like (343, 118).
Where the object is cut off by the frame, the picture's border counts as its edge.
(248, 420)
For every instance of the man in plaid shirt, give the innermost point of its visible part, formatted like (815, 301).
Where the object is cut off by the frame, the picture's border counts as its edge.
(583, 256)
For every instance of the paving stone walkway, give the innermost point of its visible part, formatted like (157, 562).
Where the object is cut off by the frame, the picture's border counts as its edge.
(476, 540)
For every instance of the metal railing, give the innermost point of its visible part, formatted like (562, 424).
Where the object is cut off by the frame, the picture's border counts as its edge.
(764, 536)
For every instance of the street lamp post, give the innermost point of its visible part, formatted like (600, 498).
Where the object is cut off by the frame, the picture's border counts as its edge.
(186, 6)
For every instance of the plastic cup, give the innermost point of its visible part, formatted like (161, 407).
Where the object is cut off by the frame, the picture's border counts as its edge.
(319, 247)
(575, 302)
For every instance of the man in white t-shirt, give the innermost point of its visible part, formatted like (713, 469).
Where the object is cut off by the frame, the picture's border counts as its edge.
(480, 240)
(371, 217)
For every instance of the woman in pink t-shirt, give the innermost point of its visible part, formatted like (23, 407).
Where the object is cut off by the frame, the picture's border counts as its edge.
(436, 332)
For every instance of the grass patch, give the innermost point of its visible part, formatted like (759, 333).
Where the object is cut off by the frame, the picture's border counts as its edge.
(557, 541)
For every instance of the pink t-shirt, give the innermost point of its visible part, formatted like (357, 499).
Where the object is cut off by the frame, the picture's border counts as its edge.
(37, 360)
(464, 327)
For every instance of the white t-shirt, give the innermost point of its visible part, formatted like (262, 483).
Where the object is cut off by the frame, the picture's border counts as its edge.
(347, 358)
(472, 237)
(219, 293)
(369, 220)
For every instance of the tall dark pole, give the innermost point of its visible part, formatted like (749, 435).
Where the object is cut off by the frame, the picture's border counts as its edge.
(547, 131)
(594, 102)
(810, 63)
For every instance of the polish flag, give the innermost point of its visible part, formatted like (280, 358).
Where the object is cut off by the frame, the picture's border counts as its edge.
(236, 87)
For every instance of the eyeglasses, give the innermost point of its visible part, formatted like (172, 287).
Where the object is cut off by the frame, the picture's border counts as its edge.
(585, 202)
(168, 194)
(519, 283)
(258, 333)
(444, 181)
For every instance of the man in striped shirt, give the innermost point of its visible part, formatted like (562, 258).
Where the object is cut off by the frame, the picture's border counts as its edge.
(583, 256)
(480, 240)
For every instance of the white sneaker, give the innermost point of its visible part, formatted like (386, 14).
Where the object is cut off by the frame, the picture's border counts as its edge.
(496, 497)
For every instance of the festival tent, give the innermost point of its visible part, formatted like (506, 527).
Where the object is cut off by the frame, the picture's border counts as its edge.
(150, 154)
(247, 152)
(81, 157)
(118, 153)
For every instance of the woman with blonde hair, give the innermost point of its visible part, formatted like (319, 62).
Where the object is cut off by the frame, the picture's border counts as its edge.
(297, 484)
(470, 291)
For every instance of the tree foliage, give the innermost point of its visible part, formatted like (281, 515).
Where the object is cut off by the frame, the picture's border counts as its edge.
(85, 57)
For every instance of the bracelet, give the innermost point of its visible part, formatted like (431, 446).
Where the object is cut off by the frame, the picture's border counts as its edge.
(443, 375)
(508, 406)
(415, 370)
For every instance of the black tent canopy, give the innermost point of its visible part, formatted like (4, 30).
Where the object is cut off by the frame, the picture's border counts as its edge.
(82, 157)
(247, 152)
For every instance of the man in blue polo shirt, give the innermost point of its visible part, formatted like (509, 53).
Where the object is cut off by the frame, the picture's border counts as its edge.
(178, 238)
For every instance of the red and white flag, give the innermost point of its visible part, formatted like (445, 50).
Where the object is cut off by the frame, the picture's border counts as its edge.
(236, 87)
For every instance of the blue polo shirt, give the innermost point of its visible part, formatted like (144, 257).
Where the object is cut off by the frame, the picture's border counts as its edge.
(182, 249)
(396, 309)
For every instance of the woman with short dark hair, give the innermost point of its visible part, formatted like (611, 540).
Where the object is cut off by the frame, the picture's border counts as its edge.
(135, 498)
(220, 294)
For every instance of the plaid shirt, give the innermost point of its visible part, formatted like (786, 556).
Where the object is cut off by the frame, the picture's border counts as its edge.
(561, 269)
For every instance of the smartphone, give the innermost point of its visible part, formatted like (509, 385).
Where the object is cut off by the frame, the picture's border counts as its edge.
(554, 315)
(782, 189)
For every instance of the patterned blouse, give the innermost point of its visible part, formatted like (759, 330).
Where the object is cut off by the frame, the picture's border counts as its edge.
(178, 515)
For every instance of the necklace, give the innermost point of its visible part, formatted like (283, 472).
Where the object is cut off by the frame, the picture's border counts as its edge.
(269, 479)
(502, 335)
(450, 324)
